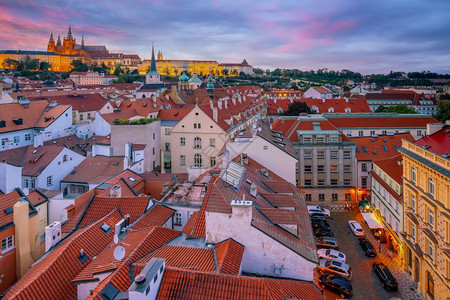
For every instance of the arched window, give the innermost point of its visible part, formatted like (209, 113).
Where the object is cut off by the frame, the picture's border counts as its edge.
(197, 143)
(197, 160)
(331, 110)
(65, 158)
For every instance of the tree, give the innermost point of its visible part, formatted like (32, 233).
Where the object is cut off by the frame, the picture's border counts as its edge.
(297, 107)
(44, 66)
(79, 66)
(400, 109)
(118, 70)
(10, 63)
(258, 71)
(444, 97)
(225, 72)
(443, 111)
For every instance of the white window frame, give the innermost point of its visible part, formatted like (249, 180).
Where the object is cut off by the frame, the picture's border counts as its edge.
(413, 174)
(431, 186)
(9, 244)
(50, 180)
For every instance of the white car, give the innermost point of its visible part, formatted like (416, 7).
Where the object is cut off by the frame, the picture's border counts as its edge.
(335, 268)
(314, 209)
(356, 228)
(331, 254)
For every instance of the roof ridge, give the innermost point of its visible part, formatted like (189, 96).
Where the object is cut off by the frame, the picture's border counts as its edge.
(203, 208)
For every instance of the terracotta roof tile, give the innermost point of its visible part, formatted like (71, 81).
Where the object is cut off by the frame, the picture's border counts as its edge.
(96, 169)
(51, 276)
(371, 121)
(229, 256)
(80, 102)
(200, 259)
(384, 146)
(188, 284)
(156, 216)
(323, 105)
(438, 142)
(7, 201)
(190, 224)
(36, 197)
(200, 226)
(391, 167)
(71, 142)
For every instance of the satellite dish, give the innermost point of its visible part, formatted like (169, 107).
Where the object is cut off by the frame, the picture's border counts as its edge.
(116, 239)
(119, 253)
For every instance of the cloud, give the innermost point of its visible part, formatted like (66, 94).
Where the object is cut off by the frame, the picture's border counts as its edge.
(365, 36)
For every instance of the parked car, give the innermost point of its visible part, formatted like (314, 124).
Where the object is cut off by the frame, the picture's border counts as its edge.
(317, 210)
(331, 254)
(335, 268)
(318, 217)
(367, 247)
(327, 242)
(336, 284)
(384, 274)
(316, 226)
(356, 228)
(319, 222)
(323, 232)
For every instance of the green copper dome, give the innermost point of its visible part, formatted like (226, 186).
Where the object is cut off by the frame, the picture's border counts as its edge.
(210, 84)
(183, 77)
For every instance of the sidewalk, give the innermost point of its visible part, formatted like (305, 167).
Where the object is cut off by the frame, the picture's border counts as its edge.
(406, 286)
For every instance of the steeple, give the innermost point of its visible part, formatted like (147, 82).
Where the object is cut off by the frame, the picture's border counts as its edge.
(51, 44)
(82, 42)
(210, 88)
(69, 34)
(51, 37)
(153, 62)
(58, 43)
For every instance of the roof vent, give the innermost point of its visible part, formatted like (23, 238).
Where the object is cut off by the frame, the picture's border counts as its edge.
(140, 279)
(2, 123)
(8, 210)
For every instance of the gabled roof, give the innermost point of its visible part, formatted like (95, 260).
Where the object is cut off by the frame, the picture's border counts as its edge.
(7, 202)
(51, 276)
(81, 102)
(34, 114)
(71, 142)
(379, 147)
(173, 114)
(339, 105)
(229, 256)
(33, 160)
(188, 284)
(156, 216)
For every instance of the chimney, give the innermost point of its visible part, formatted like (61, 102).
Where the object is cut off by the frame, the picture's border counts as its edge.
(434, 127)
(52, 235)
(242, 210)
(245, 159)
(292, 100)
(53, 103)
(211, 104)
(215, 114)
(146, 284)
(346, 99)
(38, 140)
(275, 100)
(115, 191)
(226, 103)
(219, 104)
(27, 239)
(253, 190)
(233, 99)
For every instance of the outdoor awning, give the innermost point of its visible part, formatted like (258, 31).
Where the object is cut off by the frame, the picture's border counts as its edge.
(371, 221)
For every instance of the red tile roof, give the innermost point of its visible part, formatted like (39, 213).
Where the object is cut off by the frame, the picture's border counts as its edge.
(51, 276)
(323, 105)
(36, 197)
(392, 167)
(188, 284)
(372, 121)
(80, 102)
(438, 142)
(7, 201)
(96, 169)
(71, 142)
(190, 224)
(386, 186)
(229, 256)
(289, 126)
(156, 216)
(200, 226)
(33, 115)
(173, 114)
(383, 145)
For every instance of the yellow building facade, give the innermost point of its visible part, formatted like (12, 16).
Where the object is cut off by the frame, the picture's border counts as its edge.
(426, 227)
(171, 67)
(58, 62)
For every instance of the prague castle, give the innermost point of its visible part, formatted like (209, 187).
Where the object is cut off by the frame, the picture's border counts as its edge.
(70, 47)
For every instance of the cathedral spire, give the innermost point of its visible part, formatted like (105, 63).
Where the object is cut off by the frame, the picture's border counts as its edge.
(51, 36)
(82, 41)
(58, 43)
(153, 62)
(69, 34)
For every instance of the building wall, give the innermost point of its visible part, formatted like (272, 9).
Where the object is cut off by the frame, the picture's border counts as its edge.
(416, 132)
(8, 261)
(265, 153)
(58, 62)
(22, 137)
(261, 252)
(185, 128)
(59, 127)
(59, 169)
(418, 228)
(10, 177)
(101, 127)
(56, 208)
(149, 134)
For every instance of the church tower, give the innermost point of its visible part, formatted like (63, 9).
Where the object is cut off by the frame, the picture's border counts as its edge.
(210, 88)
(160, 55)
(58, 44)
(51, 44)
(69, 44)
(152, 76)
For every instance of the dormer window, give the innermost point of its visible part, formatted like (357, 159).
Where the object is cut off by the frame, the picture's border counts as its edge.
(2, 123)
(18, 121)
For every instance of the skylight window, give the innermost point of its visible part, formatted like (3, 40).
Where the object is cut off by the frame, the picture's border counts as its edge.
(105, 227)
(131, 179)
(364, 149)
(384, 148)
(115, 163)
(8, 210)
(357, 150)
